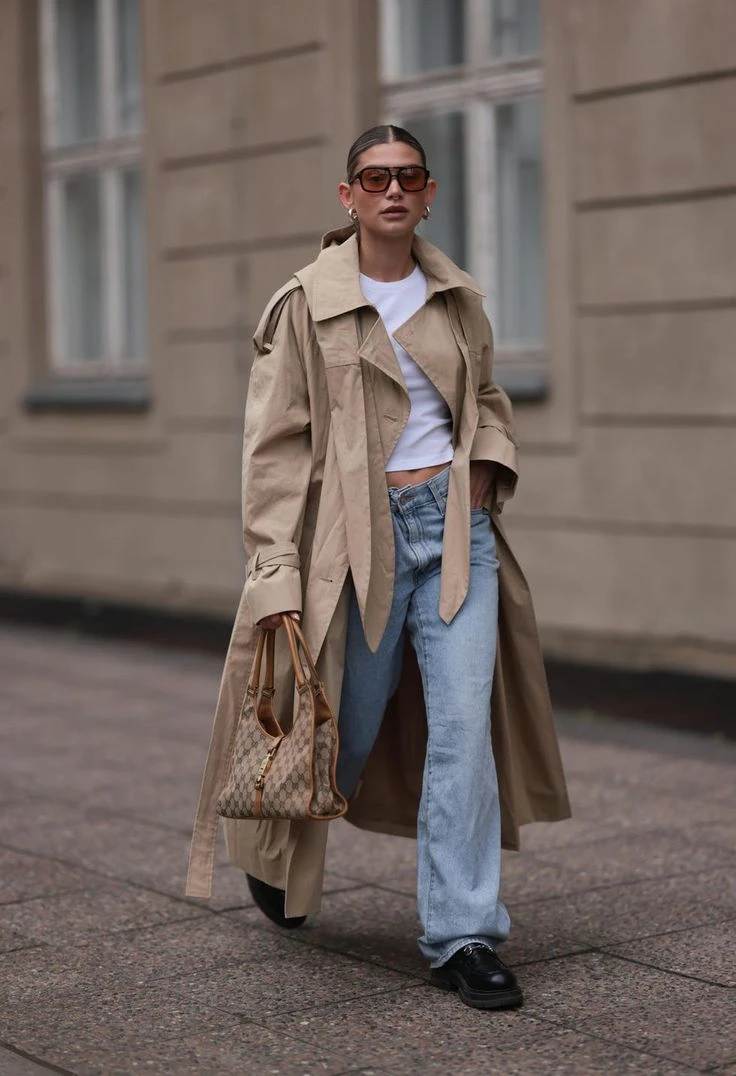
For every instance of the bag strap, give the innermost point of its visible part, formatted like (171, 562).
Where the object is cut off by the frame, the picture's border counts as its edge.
(294, 642)
(266, 637)
(264, 708)
(297, 642)
(322, 709)
(305, 650)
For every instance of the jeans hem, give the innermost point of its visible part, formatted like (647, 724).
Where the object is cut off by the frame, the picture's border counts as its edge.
(449, 951)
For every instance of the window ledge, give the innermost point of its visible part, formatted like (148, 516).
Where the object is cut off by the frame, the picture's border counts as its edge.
(523, 375)
(92, 394)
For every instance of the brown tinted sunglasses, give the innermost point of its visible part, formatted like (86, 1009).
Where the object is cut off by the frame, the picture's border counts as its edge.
(375, 180)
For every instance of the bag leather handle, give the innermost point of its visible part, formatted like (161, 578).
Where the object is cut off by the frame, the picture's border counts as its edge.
(297, 643)
(264, 708)
(267, 637)
(294, 631)
(295, 639)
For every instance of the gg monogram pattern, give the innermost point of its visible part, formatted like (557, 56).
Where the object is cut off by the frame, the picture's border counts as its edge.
(293, 772)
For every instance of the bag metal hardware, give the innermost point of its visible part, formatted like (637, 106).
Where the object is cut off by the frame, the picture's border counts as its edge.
(265, 766)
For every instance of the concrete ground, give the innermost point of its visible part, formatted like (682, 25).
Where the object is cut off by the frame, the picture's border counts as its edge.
(624, 933)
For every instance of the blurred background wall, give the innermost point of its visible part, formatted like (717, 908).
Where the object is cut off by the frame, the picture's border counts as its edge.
(166, 164)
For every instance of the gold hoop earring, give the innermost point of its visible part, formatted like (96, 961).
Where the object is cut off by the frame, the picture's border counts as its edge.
(427, 213)
(353, 214)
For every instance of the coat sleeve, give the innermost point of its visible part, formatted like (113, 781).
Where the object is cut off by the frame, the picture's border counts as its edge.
(494, 438)
(277, 459)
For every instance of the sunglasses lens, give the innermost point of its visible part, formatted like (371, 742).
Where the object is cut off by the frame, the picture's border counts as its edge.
(413, 179)
(375, 179)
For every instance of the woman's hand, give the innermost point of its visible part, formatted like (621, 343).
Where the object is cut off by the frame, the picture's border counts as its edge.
(482, 475)
(270, 623)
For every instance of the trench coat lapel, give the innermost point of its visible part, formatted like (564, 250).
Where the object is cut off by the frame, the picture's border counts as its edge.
(339, 347)
(431, 356)
(333, 283)
(376, 349)
(366, 508)
(455, 575)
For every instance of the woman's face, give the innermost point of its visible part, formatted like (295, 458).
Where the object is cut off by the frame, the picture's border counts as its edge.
(392, 213)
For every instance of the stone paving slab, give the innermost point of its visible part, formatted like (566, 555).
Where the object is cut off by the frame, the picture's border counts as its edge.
(584, 863)
(623, 917)
(240, 1049)
(115, 847)
(369, 924)
(106, 908)
(12, 1064)
(709, 954)
(91, 839)
(620, 913)
(12, 940)
(128, 959)
(373, 857)
(76, 1031)
(280, 976)
(426, 1031)
(672, 1017)
(41, 771)
(23, 877)
(718, 834)
(618, 860)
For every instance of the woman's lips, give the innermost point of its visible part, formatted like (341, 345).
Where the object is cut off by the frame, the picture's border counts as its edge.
(394, 211)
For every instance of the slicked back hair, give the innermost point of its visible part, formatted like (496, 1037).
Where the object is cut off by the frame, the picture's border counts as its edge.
(378, 136)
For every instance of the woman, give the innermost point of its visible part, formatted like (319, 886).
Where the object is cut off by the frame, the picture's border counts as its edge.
(377, 454)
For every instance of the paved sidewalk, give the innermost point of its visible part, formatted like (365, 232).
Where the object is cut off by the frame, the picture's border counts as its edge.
(624, 931)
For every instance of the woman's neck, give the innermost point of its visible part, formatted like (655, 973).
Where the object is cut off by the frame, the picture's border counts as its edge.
(386, 261)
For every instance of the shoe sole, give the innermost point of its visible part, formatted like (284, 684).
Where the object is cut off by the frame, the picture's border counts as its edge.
(480, 999)
(293, 923)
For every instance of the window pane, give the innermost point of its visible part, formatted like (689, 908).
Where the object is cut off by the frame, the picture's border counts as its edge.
(431, 34)
(520, 263)
(80, 265)
(129, 66)
(516, 29)
(79, 76)
(443, 138)
(134, 267)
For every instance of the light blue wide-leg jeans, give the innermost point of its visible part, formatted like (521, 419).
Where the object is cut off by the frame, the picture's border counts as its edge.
(459, 826)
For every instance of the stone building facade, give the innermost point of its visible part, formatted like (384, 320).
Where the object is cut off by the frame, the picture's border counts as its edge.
(166, 164)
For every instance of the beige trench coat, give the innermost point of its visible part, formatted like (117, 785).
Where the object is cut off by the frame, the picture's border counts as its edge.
(326, 405)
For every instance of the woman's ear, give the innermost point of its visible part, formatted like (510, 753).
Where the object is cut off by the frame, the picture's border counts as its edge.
(345, 195)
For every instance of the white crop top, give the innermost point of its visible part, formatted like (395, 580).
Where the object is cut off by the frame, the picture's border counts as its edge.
(426, 439)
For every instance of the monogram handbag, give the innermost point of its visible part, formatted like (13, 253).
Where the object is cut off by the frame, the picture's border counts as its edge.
(277, 774)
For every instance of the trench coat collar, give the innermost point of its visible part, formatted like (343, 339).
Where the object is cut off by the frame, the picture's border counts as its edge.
(337, 284)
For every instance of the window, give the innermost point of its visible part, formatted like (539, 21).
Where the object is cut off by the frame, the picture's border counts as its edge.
(92, 159)
(465, 77)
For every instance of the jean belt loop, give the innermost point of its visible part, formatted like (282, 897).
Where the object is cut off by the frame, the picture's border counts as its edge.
(438, 486)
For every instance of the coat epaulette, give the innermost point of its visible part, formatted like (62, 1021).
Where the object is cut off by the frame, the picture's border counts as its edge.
(264, 334)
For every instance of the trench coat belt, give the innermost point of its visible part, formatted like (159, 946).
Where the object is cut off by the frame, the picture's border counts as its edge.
(280, 554)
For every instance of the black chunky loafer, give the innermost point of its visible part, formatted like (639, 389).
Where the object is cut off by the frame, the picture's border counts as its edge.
(272, 901)
(481, 979)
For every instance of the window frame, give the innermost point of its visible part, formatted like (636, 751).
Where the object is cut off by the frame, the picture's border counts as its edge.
(475, 89)
(108, 158)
